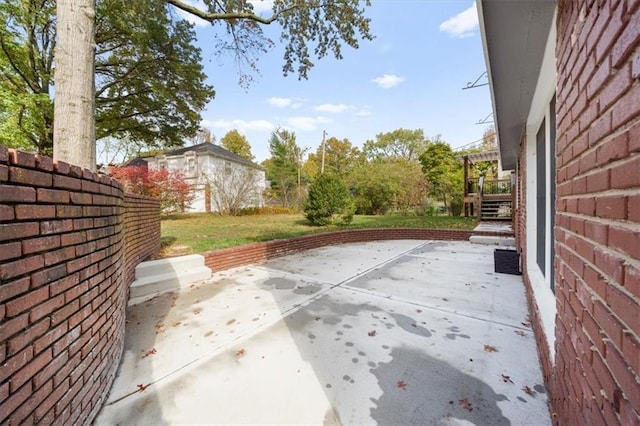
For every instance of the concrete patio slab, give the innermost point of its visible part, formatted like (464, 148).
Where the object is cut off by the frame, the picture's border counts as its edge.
(394, 332)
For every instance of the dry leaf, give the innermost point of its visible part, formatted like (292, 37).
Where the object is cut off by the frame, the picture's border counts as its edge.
(151, 351)
(527, 390)
(208, 333)
(489, 348)
(175, 324)
(197, 311)
(141, 388)
(231, 321)
(506, 379)
(465, 404)
(526, 324)
(372, 333)
(401, 385)
(520, 333)
(240, 353)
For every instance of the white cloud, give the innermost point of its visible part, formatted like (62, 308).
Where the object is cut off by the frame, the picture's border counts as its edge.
(464, 24)
(240, 125)
(333, 108)
(284, 102)
(388, 81)
(363, 112)
(306, 123)
(260, 6)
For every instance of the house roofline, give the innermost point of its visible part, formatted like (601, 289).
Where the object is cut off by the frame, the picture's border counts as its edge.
(514, 35)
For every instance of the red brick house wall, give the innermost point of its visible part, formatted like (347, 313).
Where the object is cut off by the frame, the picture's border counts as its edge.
(595, 378)
(69, 240)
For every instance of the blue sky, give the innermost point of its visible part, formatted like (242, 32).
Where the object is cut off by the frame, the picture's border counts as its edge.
(410, 76)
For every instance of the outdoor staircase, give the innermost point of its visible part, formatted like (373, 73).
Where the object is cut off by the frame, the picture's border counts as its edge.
(158, 276)
(503, 234)
(495, 209)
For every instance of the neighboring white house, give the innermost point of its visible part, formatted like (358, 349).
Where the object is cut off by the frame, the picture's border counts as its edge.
(228, 181)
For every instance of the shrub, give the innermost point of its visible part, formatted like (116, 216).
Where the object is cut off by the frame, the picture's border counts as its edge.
(329, 201)
(171, 187)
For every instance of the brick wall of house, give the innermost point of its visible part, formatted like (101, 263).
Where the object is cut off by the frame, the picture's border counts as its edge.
(222, 259)
(63, 285)
(596, 376)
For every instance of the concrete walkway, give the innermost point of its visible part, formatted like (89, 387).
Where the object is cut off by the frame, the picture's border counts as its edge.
(393, 332)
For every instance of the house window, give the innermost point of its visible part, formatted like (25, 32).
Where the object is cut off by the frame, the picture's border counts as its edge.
(190, 169)
(162, 161)
(552, 183)
(540, 192)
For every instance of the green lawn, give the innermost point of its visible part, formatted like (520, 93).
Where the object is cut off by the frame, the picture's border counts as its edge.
(200, 232)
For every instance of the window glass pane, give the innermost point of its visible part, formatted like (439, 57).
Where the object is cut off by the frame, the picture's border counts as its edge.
(541, 197)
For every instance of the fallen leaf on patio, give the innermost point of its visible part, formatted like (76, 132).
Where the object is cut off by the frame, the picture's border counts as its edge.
(197, 301)
(489, 348)
(527, 390)
(141, 388)
(401, 384)
(317, 318)
(526, 324)
(520, 333)
(151, 351)
(175, 324)
(419, 311)
(208, 333)
(197, 311)
(372, 333)
(231, 321)
(506, 379)
(240, 353)
(465, 404)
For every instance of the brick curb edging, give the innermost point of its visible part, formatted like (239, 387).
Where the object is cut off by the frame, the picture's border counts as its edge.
(219, 260)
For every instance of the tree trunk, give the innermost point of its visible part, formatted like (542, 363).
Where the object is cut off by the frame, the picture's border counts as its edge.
(74, 104)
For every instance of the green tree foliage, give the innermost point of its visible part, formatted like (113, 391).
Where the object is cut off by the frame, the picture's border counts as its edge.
(284, 168)
(149, 82)
(444, 173)
(307, 26)
(399, 144)
(329, 201)
(238, 144)
(340, 158)
(380, 186)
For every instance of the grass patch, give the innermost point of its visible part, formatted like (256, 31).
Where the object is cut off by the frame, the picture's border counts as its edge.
(202, 232)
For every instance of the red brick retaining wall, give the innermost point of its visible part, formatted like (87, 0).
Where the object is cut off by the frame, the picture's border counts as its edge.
(218, 260)
(69, 240)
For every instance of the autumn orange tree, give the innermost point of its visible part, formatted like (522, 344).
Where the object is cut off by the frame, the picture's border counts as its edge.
(171, 187)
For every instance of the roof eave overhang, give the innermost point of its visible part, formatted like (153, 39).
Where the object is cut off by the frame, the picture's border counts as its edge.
(514, 35)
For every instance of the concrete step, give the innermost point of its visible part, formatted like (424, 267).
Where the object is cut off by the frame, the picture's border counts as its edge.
(172, 274)
(175, 265)
(498, 241)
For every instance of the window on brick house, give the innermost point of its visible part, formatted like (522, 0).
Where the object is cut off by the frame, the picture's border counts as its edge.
(546, 192)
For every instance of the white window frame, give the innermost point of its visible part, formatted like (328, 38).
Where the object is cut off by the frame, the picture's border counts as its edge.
(541, 280)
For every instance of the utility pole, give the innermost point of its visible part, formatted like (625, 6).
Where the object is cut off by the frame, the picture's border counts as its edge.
(324, 134)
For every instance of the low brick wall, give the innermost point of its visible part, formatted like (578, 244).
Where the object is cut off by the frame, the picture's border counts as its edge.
(218, 260)
(69, 241)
